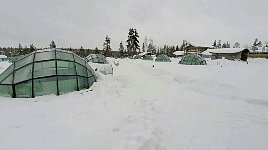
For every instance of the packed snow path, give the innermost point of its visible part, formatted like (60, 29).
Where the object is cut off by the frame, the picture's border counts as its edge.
(148, 106)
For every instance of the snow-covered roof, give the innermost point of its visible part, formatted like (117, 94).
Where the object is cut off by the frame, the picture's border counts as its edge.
(201, 45)
(178, 53)
(207, 52)
(144, 53)
(3, 56)
(51, 49)
(222, 50)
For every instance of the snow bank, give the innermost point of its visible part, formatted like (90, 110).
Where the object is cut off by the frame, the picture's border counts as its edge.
(148, 105)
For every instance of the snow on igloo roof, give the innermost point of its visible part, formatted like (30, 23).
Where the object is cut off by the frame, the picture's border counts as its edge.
(224, 50)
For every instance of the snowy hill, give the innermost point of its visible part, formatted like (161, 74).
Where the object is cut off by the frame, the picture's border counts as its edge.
(222, 105)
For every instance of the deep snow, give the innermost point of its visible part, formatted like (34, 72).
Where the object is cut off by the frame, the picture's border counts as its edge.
(223, 105)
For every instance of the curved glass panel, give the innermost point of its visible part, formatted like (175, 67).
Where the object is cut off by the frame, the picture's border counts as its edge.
(79, 60)
(45, 86)
(65, 68)
(46, 68)
(81, 70)
(64, 56)
(24, 89)
(7, 72)
(82, 83)
(46, 55)
(6, 90)
(24, 73)
(67, 84)
(24, 61)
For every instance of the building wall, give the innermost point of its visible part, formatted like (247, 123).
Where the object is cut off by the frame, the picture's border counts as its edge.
(229, 56)
(195, 49)
(258, 55)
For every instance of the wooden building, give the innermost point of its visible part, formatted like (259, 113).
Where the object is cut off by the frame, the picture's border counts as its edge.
(227, 53)
(195, 49)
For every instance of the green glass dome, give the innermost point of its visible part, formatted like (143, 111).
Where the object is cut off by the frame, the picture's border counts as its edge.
(130, 57)
(147, 57)
(192, 59)
(162, 58)
(137, 57)
(43, 72)
(97, 58)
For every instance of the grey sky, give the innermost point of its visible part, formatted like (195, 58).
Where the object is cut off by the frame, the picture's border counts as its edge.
(85, 23)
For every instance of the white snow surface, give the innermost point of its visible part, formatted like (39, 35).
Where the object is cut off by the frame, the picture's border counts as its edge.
(220, 106)
(3, 56)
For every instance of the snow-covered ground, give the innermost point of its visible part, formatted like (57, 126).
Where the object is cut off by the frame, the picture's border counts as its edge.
(221, 106)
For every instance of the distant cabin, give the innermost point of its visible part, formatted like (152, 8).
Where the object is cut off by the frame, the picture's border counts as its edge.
(196, 49)
(227, 53)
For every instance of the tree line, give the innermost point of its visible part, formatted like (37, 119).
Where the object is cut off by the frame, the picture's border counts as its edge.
(132, 47)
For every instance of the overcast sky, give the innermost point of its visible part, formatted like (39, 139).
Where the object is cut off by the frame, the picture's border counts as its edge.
(85, 23)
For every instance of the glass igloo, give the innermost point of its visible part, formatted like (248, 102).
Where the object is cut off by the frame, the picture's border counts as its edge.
(49, 71)
(147, 57)
(97, 58)
(137, 57)
(192, 59)
(162, 58)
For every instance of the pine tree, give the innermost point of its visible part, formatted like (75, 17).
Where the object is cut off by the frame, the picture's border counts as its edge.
(96, 51)
(20, 50)
(184, 45)
(121, 49)
(215, 44)
(228, 45)
(260, 44)
(82, 52)
(219, 44)
(151, 48)
(52, 45)
(143, 47)
(158, 51)
(32, 48)
(132, 42)
(164, 50)
(145, 44)
(177, 48)
(106, 46)
(171, 50)
(255, 44)
(224, 45)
